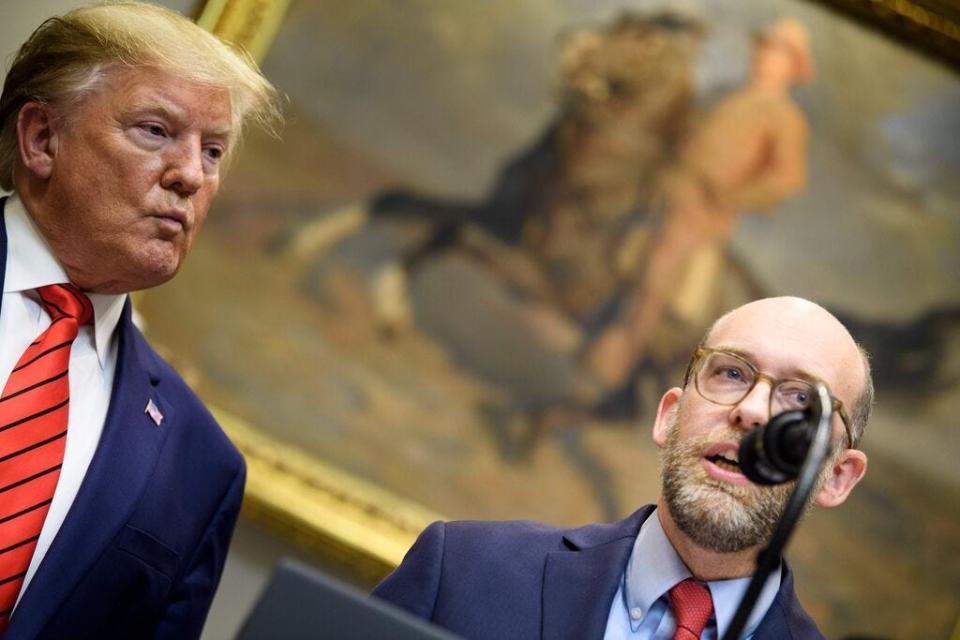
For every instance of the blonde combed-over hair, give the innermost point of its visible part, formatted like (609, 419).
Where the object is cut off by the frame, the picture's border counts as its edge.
(69, 57)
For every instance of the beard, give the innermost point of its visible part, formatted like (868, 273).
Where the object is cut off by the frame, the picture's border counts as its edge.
(717, 515)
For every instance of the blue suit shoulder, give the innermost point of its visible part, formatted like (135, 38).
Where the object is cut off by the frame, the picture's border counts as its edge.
(457, 572)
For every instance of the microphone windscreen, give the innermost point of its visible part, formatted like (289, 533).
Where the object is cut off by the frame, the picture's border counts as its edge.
(773, 454)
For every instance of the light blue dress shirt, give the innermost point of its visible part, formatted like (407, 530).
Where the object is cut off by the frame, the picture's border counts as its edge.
(641, 606)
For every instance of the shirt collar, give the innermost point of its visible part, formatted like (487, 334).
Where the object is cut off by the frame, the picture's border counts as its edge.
(654, 568)
(32, 264)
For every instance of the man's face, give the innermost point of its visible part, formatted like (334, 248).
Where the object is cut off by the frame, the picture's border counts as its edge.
(134, 170)
(707, 497)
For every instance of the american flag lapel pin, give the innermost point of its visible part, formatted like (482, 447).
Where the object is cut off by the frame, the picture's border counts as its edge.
(154, 412)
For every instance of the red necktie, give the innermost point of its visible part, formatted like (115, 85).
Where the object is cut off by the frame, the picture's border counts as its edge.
(34, 408)
(692, 606)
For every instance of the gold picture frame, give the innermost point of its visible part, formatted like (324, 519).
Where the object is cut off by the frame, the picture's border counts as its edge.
(930, 26)
(249, 24)
(326, 510)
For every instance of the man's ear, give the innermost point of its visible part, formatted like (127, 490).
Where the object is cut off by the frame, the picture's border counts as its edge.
(37, 136)
(846, 472)
(669, 404)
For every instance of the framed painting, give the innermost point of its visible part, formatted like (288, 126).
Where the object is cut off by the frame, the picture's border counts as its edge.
(392, 307)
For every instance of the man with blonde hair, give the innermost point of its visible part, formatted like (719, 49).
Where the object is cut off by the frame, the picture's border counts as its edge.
(118, 491)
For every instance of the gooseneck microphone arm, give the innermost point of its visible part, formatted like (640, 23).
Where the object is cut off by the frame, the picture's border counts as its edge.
(769, 558)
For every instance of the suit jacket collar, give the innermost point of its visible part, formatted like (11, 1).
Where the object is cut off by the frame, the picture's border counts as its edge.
(580, 580)
(117, 476)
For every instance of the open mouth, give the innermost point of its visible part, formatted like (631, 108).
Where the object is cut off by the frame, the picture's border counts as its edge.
(725, 462)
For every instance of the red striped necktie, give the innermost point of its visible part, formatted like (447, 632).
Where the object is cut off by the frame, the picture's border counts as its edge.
(34, 408)
(692, 605)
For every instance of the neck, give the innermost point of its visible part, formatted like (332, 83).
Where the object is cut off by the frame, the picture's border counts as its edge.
(705, 564)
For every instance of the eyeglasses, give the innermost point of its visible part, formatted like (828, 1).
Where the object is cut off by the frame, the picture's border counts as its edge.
(726, 378)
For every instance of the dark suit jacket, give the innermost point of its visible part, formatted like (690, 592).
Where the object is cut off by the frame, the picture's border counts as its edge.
(141, 550)
(529, 580)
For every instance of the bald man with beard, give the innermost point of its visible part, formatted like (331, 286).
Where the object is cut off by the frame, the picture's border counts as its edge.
(676, 569)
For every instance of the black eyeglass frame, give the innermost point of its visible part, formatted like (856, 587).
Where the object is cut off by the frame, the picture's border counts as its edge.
(693, 370)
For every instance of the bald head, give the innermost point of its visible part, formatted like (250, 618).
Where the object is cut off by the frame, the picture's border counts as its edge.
(798, 336)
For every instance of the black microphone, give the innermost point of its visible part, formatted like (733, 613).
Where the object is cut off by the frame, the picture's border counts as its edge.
(773, 454)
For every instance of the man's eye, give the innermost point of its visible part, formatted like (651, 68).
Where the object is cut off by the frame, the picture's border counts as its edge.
(800, 397)
(214, 153)
(728, 374)
(732, 373)
(795, 396)
(154, 130)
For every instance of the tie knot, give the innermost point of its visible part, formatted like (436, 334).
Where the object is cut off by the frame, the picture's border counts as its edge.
(65, 300)
(692, 606)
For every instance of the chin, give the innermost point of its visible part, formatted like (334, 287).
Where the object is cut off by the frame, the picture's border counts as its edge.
(150, 273)
(156, 278)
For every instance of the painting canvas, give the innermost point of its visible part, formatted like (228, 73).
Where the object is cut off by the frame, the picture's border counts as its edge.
(404, 287)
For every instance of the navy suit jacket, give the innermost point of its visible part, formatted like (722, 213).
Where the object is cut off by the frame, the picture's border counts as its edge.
(528, 580)
(141, 550)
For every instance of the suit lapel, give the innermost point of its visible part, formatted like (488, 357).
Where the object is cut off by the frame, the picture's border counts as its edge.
(580, 581)
(116, 478)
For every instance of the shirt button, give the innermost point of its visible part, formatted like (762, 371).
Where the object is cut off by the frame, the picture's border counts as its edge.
(636, 613)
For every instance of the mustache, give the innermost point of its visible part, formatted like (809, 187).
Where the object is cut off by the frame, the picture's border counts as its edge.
(693, 444)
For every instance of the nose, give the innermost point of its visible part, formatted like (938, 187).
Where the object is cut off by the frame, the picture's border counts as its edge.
(754, 410)
(184, 168)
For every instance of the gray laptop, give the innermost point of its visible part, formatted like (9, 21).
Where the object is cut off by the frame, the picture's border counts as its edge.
(300, 602)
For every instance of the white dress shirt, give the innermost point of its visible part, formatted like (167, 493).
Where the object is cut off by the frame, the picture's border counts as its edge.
(93, 357)
(641, 607)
